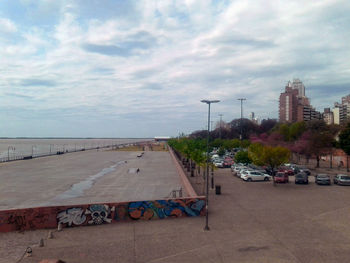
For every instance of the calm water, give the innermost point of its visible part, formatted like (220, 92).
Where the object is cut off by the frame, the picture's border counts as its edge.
(36, 147)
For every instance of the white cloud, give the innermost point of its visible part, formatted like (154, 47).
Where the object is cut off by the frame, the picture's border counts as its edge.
(7, 26)
(157, 62)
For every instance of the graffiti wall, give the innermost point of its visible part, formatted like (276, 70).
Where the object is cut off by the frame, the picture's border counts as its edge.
(96, 214)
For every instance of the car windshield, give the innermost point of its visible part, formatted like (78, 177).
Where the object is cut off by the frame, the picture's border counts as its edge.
(322, 176)
(280, 174)
(345, 177)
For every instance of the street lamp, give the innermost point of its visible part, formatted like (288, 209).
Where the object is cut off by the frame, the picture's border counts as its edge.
(207, 178)
(241, 136)
(220, 123)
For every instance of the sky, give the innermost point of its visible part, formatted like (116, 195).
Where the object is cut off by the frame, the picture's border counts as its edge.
(123, 69)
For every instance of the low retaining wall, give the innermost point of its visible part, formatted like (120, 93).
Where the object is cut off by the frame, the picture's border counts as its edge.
(96, 214)
(184, 180)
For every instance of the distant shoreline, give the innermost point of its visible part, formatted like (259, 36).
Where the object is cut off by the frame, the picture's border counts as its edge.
(85, 138)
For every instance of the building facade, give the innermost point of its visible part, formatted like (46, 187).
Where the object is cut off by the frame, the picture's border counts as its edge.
(294, 106)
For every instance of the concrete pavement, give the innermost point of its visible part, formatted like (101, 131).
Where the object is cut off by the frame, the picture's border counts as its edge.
(249, 222)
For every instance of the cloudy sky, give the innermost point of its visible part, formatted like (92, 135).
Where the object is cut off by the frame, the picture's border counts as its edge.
(121, 68)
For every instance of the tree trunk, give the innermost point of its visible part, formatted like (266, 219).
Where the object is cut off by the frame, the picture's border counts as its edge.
(331, 161)
(347, 163)
(317, 161)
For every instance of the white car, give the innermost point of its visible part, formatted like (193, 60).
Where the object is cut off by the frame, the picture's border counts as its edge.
(219, 164)
(250, 176)
(241, 171)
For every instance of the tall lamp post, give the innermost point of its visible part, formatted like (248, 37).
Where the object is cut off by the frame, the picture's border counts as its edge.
(220, 123)
(207, 175)
(241, 99)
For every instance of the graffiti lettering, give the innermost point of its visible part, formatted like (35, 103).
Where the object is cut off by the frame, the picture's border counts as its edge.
(71, 216)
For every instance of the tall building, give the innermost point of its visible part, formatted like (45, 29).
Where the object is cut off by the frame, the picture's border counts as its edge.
(297, 84)
(328, 116)
(294, 106)
(340, 113)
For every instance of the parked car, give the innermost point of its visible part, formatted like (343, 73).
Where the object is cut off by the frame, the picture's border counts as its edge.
(240, 171)
(299, 169)
(301, 178)
(287, 170)
(342, 179)
(281, 177)
(250, 176)
(323, 179)
(219, 164)
(227, 162)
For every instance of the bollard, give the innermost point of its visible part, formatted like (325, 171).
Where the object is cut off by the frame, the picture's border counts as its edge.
(41, 242)
(50, 235)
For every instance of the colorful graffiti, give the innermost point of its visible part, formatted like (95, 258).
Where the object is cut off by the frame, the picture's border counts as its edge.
(165, 208)
(96, 214)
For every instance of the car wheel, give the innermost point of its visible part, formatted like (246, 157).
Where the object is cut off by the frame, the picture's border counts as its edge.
(266, 179)
(249, 179)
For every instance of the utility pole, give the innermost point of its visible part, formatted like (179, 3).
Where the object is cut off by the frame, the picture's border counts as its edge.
(220, 123)
(241, 135)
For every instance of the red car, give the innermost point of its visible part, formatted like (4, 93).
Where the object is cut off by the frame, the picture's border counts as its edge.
(281, 177)
(228, 162)
(286, 170)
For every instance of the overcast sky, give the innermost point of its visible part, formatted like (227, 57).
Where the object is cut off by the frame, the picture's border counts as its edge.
(103, 68)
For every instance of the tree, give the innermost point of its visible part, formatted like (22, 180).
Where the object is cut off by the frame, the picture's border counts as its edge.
(296, 130)
(269, 155)
(242, 157)
(344, 143)
(320, 143)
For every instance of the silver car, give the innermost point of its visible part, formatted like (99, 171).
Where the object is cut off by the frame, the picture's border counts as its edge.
(342, 179)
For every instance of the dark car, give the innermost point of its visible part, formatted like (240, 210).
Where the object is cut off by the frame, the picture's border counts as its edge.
(301, 170)
(342, 179)
(323, 179)
(301, 178)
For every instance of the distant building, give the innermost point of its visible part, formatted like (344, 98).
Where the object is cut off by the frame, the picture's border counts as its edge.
(253, 118)
(339, 113)
(294, 106)
(328, 116)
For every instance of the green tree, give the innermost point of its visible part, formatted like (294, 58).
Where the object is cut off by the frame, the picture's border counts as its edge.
(296, 130)
(242, 157)
(245, 143)
(344, 143)
(269, 155)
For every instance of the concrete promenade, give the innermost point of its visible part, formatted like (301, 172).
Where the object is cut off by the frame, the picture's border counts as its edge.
(249, 222)
(87, 177)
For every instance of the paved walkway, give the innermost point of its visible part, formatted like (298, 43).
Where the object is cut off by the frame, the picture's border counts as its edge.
(249, 222)
(87, 177)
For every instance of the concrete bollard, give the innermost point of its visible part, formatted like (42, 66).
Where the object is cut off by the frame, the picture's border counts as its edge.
(41, 242)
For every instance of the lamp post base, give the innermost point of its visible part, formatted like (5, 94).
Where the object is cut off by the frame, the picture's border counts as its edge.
(206, 228)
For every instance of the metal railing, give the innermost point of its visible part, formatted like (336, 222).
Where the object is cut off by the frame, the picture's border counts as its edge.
(17, 157)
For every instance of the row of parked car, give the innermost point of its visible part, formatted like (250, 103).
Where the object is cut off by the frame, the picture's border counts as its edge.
(251, 173)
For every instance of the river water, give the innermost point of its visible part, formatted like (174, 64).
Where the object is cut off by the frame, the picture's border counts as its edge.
(12, 148)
